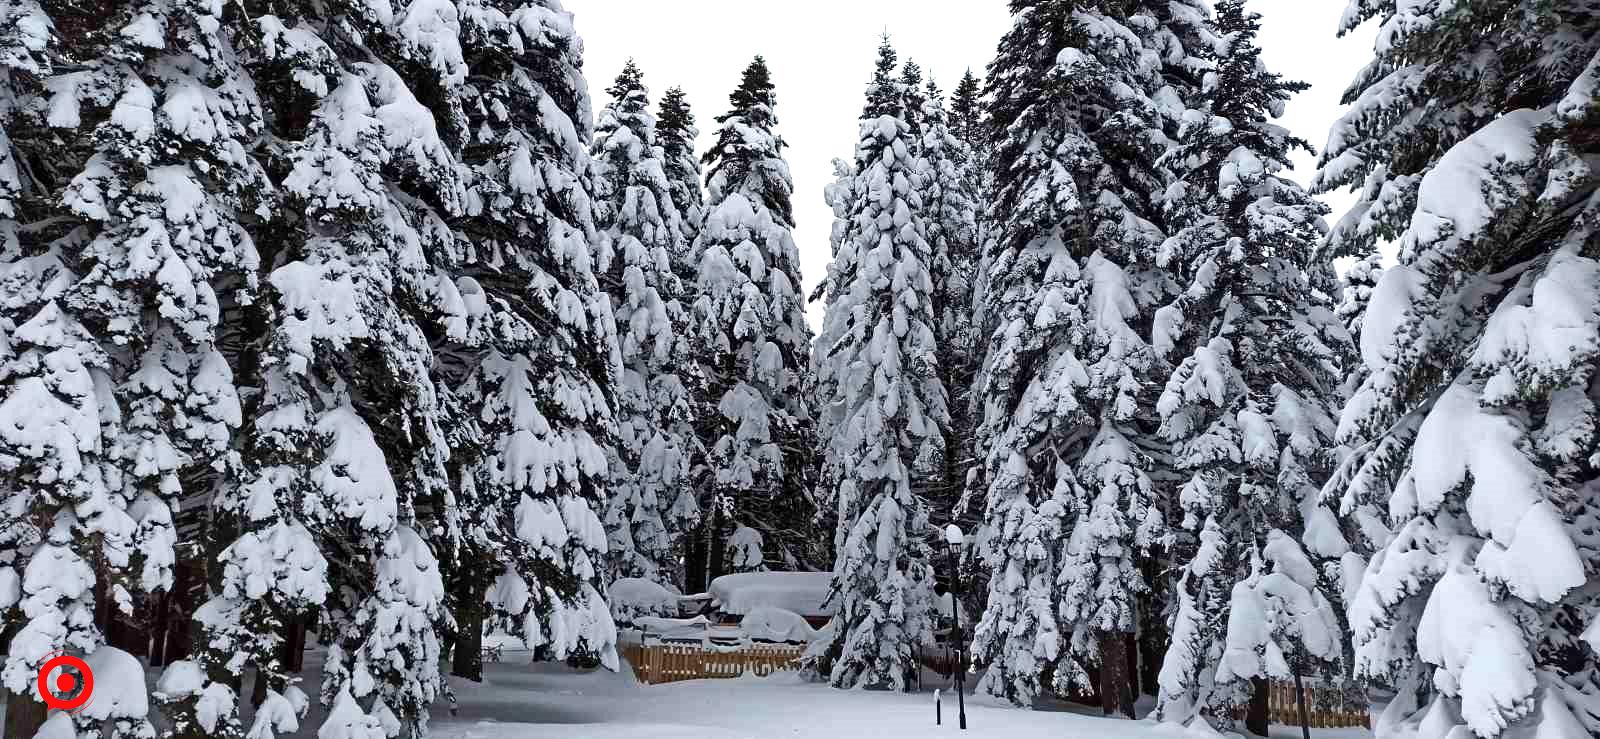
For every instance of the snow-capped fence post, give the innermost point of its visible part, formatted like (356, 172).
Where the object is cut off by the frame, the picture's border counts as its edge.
(938, 708)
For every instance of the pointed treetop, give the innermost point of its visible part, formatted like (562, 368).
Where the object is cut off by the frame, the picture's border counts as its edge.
(966, 110)
(883, 95)
(1242, 90)
(911, 92)
(628, 92)
(911, 75)
(675, 124)
(755, 98)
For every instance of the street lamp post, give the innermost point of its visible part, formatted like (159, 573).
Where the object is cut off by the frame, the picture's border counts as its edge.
(955, 538)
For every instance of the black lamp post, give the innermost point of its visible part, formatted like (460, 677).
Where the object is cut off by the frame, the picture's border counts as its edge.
(955, 538)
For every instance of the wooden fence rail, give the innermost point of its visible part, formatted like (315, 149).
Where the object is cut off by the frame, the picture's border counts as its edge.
(666, 663)
(1326, 706)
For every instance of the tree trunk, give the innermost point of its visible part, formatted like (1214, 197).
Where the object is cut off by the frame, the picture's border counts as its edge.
(1115, 688)
(716, 548)
(294, 647)
(467, 661)
(1152, 650)
(179, 604)
(158, 627)
(24, 716)
(694, 560)
(1131, 648)
(1255, 720)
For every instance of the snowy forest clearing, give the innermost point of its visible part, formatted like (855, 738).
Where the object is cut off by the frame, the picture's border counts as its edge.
(522, 700)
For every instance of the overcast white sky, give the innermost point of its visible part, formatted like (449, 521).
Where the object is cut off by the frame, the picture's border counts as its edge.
(821, 54)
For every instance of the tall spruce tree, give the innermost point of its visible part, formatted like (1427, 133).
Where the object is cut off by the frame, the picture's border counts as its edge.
(342, 478)
(1250, 405)
(119, 253)
(651, 505)
(949, 213)
(1470, 139)
(676, 133)
(1078, 114)
(752, 336)
(884, 404)
(541, 365)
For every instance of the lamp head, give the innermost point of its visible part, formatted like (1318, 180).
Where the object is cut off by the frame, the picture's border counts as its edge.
(954, 536)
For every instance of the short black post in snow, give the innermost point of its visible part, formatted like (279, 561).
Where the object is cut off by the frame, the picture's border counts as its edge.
(955, 538)
(938, 708)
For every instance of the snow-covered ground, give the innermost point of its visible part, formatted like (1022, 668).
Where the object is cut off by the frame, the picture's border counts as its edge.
(529, 701)
(520, 701)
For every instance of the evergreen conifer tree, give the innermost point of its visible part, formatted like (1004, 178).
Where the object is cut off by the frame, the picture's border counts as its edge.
(1250, 408)
(884, 404)
(752, 336)
(1470, 140)
(950, 219)
(118, 254)
(1080, 103)
(676, 132)
(540, 363)
(343, 471)
(651, 505)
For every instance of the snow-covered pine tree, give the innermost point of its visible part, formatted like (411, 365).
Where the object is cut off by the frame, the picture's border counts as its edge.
(540, 362)
(1250, 406)
(1081, 96)
(1471, 139)
(676, 133)
(752, 336)
(949, 215)
(912, 99)
(544, 371)
(966, 113)
(119, 254)
(343, 438)
(651, 503)
(883, 404)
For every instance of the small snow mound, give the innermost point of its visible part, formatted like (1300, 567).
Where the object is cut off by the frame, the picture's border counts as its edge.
(119, 689)
(766, 623)
(636, 597)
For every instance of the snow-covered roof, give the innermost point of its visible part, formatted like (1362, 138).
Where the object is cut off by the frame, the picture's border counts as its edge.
(801, 592)
(698, 628)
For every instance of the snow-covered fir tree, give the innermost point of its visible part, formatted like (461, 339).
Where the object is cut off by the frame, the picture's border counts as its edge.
(536, 359)
(1250, 406)
(676, 133)
(119, 253)
(1470, 140)
(883, 406)
(753, 340)
(1081, 98)
(949, 215)
(651, 504)
(966, 113)
(913, 96)
(343, 437)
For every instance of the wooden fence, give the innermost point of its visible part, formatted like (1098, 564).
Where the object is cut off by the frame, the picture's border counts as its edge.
(1327, 707)
(666, 663)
